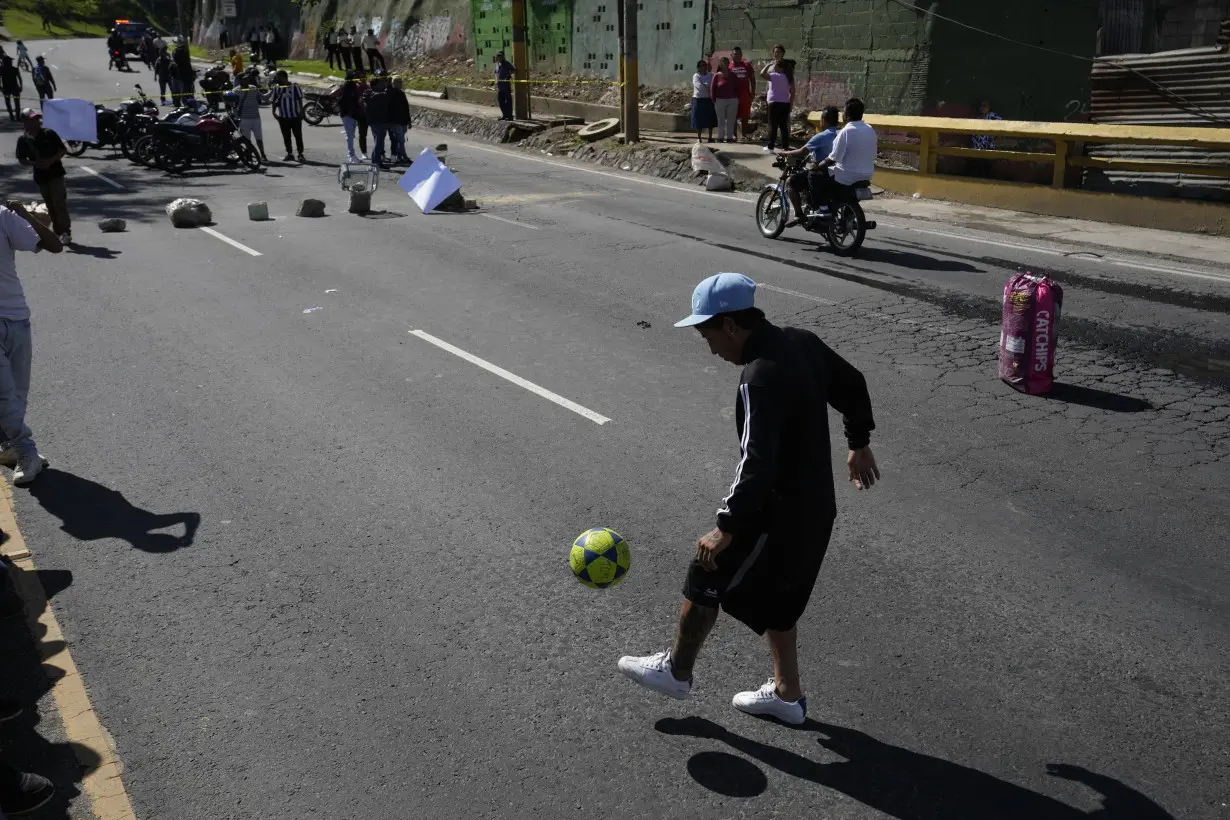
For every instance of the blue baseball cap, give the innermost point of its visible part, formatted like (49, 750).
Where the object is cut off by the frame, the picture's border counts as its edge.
(720, 293)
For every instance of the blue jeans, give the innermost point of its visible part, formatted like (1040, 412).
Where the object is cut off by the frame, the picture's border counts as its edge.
(16, 349)
(397, 141)
(379, 129)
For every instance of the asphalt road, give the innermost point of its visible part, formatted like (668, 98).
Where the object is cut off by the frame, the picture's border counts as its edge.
(320, 563)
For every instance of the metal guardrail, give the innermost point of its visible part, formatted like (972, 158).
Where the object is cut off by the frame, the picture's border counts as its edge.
(1068, 138)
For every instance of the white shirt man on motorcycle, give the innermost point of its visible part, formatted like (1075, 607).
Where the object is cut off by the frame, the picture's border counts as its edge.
(853, 158)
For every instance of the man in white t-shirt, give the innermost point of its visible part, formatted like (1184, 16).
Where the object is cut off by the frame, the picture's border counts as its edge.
(19, 231)
(853, 158)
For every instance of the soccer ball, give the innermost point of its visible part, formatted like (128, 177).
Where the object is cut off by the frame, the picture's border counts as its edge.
(600, 558)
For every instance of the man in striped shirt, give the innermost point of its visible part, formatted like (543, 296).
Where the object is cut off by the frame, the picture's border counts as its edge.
(761, 561)
(287, 106)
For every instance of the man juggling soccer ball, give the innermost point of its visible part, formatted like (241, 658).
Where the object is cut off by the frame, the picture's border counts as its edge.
(761, 560)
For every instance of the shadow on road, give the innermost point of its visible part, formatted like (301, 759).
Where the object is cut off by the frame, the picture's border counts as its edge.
(96, 251)
(913, 261)
(89, 512)
(1099, 399)
(25, 680)
(910, 785)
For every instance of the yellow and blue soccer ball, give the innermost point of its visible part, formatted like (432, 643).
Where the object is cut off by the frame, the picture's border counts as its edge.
(600, 558)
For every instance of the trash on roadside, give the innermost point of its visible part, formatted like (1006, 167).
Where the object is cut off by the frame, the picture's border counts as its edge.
(1030, 334)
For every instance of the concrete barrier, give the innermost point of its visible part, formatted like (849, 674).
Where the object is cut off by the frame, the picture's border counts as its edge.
(590, 112)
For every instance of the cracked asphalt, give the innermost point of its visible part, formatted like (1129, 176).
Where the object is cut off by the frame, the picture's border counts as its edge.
(320, 565)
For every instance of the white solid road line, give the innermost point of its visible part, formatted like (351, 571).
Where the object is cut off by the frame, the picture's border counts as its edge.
(596, 418)
(230, 241)
(511, 222)
(105, 179)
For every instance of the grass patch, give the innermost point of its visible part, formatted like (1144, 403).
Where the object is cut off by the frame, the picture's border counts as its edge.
(27, 25)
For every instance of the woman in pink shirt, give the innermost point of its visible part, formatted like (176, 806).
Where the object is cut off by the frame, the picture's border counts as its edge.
(780, 74)
(724, 91)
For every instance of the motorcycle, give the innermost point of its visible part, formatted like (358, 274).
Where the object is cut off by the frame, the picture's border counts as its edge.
(841, 221)
(118, 61)
(177, 146)
(114, 124)
(215, 83)
(321, 104)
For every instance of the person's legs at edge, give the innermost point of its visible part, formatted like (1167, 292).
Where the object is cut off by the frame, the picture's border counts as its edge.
(379, 130)
(348, 125)
(362, 127)
(55, 196)
(695, 623)
(785, 650)
(296, 128)
(16, 350)
(285, 126)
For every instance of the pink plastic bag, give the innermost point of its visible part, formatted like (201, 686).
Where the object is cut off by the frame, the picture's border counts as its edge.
(1030, 333)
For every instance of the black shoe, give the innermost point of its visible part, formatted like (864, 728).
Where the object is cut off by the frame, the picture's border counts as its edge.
(10, 709)
(288, 158)
(302, 158)
(33, 793)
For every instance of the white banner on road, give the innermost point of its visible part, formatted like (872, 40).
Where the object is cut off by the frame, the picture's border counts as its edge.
(429, 181)
(71, 119)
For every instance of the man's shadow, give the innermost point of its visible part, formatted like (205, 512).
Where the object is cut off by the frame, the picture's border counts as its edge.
(91, 511)
(913, 786)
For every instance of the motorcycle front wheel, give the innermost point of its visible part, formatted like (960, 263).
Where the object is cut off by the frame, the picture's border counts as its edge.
(313, 113)
(144, 150)
(248, 155)
(75, 148)
(848, 229)
(771, 213)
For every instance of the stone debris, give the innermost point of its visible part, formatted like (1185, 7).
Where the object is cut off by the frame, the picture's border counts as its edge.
(112, 226)
(189, 213)
(311, 208)
(258, 211)
(718, 182)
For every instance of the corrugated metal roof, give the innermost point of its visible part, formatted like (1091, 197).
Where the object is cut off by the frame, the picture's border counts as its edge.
(1189, 87)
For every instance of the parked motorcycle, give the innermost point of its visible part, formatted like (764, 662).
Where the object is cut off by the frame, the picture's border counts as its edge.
(114, 124)
(321, 104)
(215, 83)
(178, 146)
(118, 61)
(841, 221)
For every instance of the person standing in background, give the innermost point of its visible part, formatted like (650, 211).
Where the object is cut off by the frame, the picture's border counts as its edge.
(724, 91)
(780, 97)
(224, 40)
(163, 68)
(504, 72)
(248, 110)
(254, 45)
(44, 83)
(331, 48)
(399, 121)
(10, 83)
(376, 109)
(268, 52)
(746, 76)
(344, 48)
(353, 118)
(236, 64)
(356, 48)
(287, 105)
(703, 113)
(371, 44)
(185, 74)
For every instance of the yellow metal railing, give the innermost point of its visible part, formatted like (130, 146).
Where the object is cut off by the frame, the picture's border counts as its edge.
(1063, 135)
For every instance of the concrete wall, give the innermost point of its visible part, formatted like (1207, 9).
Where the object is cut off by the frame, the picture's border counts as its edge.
(1188, 23)
(874, 49)
(1022, 83)
(548, 38)
(670, 40)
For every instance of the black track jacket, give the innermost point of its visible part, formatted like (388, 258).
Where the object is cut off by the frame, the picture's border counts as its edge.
(781, 414)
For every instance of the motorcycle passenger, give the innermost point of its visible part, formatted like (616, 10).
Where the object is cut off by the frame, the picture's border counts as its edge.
(853, 158)
(817, 149)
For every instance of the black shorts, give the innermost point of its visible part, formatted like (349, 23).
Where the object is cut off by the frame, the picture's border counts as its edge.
(764, 579)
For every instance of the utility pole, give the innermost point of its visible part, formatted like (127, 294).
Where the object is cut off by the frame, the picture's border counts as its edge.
(521, 86)
(632, 96)
(620, 14)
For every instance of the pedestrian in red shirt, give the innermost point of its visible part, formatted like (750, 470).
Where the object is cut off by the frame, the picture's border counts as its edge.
(746, 77)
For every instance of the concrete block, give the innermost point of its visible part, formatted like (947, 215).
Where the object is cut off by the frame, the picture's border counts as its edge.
(360, 202)
(311, 209)
(112, 226)
(189, 213)
(258, 211)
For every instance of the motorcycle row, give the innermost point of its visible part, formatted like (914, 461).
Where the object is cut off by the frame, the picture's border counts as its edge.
(191, 134)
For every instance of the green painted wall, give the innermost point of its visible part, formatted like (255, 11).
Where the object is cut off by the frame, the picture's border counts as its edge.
(547, 31)
(670, 40)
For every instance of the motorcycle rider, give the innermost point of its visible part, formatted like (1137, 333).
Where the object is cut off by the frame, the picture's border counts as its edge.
(23, 57)
(818, 149)
(115, 49)
(853, 158)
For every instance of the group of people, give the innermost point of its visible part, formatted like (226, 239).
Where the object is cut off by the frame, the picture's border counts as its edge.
(263, 41)
(722, 99)
(345, 49)
(12, 84)
(382, 107)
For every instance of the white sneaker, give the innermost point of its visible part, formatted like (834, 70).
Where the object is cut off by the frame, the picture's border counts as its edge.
(764, 701)
(28, 468)
(654, 672)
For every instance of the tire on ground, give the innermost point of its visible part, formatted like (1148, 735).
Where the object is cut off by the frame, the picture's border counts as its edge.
(599, 130)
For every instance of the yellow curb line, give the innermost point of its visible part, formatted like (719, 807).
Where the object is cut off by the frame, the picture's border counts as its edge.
(103, 784)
